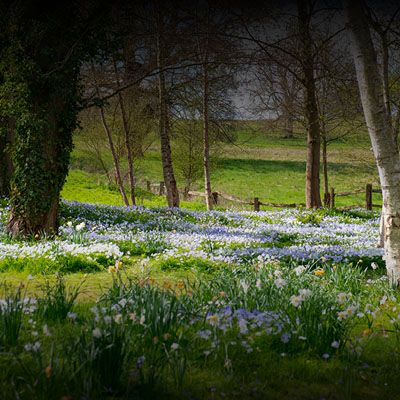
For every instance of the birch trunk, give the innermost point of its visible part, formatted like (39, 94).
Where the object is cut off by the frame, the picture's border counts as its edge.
(313, 196)
(380, 131)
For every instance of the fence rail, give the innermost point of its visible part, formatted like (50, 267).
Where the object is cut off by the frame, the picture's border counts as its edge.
(329, 200)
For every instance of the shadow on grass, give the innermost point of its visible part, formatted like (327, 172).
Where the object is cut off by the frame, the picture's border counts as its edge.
(280, 166)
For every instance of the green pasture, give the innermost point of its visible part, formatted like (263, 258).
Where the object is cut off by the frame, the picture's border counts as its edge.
(260, 163)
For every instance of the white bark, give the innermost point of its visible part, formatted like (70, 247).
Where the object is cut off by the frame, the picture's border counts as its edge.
(380, 131)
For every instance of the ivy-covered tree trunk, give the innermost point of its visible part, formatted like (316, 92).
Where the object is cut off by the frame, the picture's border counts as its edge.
(40, 57)
(42, 146)
(6, 165)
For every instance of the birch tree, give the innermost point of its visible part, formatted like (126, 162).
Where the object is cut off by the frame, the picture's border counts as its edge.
(379, 128)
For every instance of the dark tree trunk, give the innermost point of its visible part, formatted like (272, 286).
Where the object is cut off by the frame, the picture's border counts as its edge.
(127, 137)
(166, 157)
(313, 196)
(206, 142)
(6, 164)
(325, 165)
(110, 141)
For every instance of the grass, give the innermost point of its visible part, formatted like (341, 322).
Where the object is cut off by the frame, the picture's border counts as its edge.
(261, 164)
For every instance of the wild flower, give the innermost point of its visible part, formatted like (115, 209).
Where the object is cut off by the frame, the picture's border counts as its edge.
(299, 270)
(342, 297)
(335, 344)
(174, 346)
(280, 283)
(97, 333)
(305, 293)
(245, 286)
(296, 300)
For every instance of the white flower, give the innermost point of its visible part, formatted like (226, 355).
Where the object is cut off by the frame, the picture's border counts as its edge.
(28, 347)
(71, 315)
(280, 283)
(278, 273)
(132, 317)
(117, 318)
(36, 346)
(80, 226)
(245, 286)
(174, 346)
(341, 297)
(122, 302)
(341, 315)
(96, 332)
(350, 310)
(299, 270)
(335, 344)
(374, 265)
(296, 300)
(258, 284)
(142, 319)
(46, 330)
(69, 223)
(305, 293)
(30, 277)
(107, 319)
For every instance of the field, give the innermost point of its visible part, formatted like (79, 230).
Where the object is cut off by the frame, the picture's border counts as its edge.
(259, 164)
(148, 302)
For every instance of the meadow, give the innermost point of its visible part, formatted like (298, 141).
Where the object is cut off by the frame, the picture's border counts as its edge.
(142, 302)
(150, 302)
(260, 163)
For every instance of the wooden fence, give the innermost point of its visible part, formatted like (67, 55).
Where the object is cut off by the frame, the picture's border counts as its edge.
(329, 200)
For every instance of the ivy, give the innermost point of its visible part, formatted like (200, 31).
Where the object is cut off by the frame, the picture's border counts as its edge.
(44, 109)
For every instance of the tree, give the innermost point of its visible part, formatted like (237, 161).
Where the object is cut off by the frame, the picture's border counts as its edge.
(41, 52)
(380, 130)
(6, 165)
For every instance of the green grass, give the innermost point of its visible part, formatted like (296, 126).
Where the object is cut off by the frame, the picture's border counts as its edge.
(260, 164)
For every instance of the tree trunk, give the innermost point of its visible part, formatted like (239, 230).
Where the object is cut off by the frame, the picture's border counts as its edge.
(288, 125)
(313, 196)
(6, 164)
(166, 157)
(325, 165)
(380, 131)
(127, 137)
(206, 141)
(110, 141)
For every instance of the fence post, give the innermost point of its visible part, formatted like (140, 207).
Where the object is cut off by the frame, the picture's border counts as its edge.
(332, 198)
(148, 187)
(215, 198)
(368, 197)
(326, 199)
(256, 204)
(161, 188)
